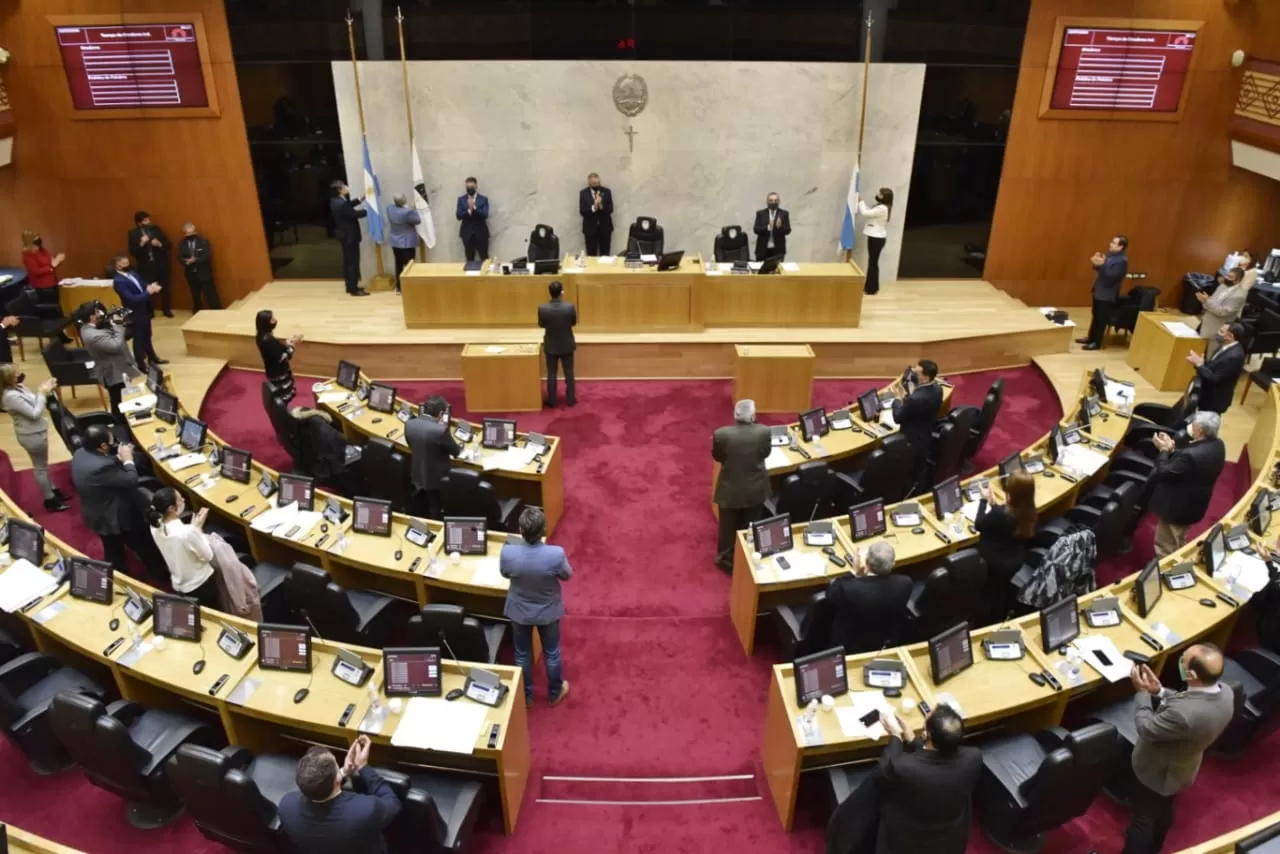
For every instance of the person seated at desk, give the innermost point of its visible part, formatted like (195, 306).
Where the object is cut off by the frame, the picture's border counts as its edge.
(322, 818)
(433, 447)
(1004, 533)
(1217, 373)
(915, 410)
(869, 601)
(324, 448)
(185, 548)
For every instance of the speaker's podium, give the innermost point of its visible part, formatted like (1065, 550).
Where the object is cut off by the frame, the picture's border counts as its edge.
(1159, 348)
(778, 377)
(502, 377)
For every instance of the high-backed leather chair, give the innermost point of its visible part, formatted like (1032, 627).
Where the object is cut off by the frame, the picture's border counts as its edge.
(28, 684)
(645, 237)
(544, 244)
(35, 320)
(123, 748)
(731, 244)
(352, 616)
(70, 367)
(283, 424)
(233, 796)
(450, 627)
(887, 472)
(438, 816)
(981, 428)
(804, 629)
(1254, 676)
(464, 493)
(1109, 522)
(1152, 418)
(9, 647)
(1124, 317)
(805, 493)
(950, 594)
(387, 473)
(1031, 784)
(947, 450)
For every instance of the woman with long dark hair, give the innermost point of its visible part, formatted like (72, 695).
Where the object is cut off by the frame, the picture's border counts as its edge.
(1005, 532)
(185, 548)
(276, 355)
(874, 221)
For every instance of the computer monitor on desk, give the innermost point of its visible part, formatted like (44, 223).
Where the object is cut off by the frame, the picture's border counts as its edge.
(869, 406)
(813, 424)
(382, 397)
(820, 674)
(237, 465)
(1059, 624)
(26, 541)
(166, 407)
(1010, 465)
(670, 260)
(772, 536)
(91, 580)
(1214, 550)
(466, 535)
(192, 433)
(411, 671)
(950, 653)
(300, 489)
(947, 498)
(176, 617)
(348, 374)
(498, 433)
(867, 520)
(282, 647)
(371, 516)
(1147, 589)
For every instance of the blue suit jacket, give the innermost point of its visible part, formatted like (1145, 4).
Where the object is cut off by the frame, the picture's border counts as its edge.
(349, 822)
(131, 288)
(403, 233)
(473, 223)
(535, 573)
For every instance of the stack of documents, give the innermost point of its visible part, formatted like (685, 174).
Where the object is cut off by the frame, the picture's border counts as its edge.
(433, 723)
(511, 459)
(22, 583)
(140, 403)
(1180, 329)
(331, 397)
(1119, 394)
(1081, 461)
(1247, 572)
(186, 461)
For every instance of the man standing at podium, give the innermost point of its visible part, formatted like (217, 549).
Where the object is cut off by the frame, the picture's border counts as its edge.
(773, 224)
(595, 203)
(558, 318)
(473, 213)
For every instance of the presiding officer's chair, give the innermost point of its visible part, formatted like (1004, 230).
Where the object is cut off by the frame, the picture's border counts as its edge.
(731, 245)
(28, 684)
(645, 237)
(464, 493)
(449, 626)
(544, 244)
(233, 796)
(123, 748)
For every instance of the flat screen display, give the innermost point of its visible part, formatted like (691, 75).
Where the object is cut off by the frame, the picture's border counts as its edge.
(950, 653)
(382, 398)
(91, 580)
(772, 536)
(411, 671)
(348, 374)
(191, 434)
(155, 378)
(947, 498)
(1214, 550)
(1148, 588)
(814, 424)
(166, 407)
(867, 520)
(237, 465)
(465, 536)
(499, 433)
(133, 65)
(1059, 624)
(300, 489)
(1122, 69)
(1010, 465)
(371, 516)
(283, 647)
(1056, 443)
(176, 617)
(821, 673)
(869, 406)
(26, 541)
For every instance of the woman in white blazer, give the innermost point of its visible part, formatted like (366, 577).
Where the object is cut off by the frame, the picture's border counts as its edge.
(874, 220)
(27, 409)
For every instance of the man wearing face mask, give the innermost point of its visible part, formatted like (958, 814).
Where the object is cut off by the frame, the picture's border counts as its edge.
(773, 224)
(1183, 479)
(473, 214)
(347, 213)
(150, 249)
(1217, 375)
(133, 296)
(104, 341)
(595, 204)
(918, 397)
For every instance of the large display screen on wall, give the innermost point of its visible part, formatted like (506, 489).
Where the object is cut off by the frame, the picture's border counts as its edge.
(133, 65)
(1122, 69)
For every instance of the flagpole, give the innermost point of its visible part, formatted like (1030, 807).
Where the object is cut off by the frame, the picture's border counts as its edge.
(381, 278)
(408, 107)
(862, 118)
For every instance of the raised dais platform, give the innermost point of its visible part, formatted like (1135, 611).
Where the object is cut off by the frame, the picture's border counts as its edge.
(962, 325)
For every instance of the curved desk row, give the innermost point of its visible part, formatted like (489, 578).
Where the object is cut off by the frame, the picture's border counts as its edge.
(758, 586)
(1226, 843)
(1000, 692)
(22, 842)
(256, 707)
(539, 482)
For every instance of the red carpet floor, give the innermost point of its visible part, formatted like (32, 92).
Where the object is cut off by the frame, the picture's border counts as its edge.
(660, 685)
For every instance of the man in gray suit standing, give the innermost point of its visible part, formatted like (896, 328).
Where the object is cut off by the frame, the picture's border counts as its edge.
(433, 447)
(743, 483)
(107, 482)
(535, 571)
(558, 318)
(1174, 729)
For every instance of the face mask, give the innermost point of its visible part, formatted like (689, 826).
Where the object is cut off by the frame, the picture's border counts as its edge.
(1219, 337)
(1189, 433)
(21, 378)
(1182, 671)
(773, 206)
(471, 191)
(38, 242)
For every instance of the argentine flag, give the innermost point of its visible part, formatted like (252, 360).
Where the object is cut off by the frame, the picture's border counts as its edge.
(372, 198)
(426, 224)
(847, 233)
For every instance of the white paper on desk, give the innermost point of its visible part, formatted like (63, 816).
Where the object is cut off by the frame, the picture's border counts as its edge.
(648, 258)
(969, 510)
(487, 573)
(273, 519)
(711, 272)
(1089, 645)
(331, 396)
(138, 404)
(607, 259)
(862, 703)
(186, 461)
(493, 348)
(1081, 461)
(886, 418)
(803, 565)
(790, 267)
(1180, 329)
(777, 458)
(722, 266)
(306, 520)
(754, 265)
(511, 458)
(433, 723)
(22, 582)
(1121, 393)
(1248, 572)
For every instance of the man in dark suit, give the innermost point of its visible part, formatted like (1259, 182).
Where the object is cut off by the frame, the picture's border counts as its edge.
(925, 785)
(106, 480)
(473, 214)
(133, 296)
(150, 249)
(323, 818)
(773, 224)
(197, 265)
(869, 602)
(1174, 729)
(595, 204)
(433, 447)
(347, 213)
(1183, 480)
(919, 397)
(1111, 270)
(743, 483)
(558, 318)
(1217, 375)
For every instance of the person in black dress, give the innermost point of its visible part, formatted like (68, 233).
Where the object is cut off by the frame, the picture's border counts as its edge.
(1005, 531)
(276, 355)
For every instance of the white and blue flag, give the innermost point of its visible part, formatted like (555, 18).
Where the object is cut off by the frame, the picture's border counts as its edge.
(372, 197)
(847, 233)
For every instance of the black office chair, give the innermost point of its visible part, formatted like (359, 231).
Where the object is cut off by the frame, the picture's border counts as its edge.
(449, 626)
(981, 428)
(1254, 676)
(283, 424)
(233, 796)
(1139, 299)
(645, 237)
(70, 367)
(544, 244)
(1110, 514)
(438, 811)
(804, 629)
(28, 684)
(731, 244)
(1263, 377)
(35, 320)
(273, 589)
(1031, 784)
(351, 616)
(9, 647)
(464, 493)
(1264, 337)
(887, 472)
(806, 493)
(123, 748)
(950, 594)
(387, 473)
(946, 455)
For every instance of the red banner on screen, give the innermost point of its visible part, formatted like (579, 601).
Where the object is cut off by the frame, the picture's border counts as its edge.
(1138, 70)
(142, 65)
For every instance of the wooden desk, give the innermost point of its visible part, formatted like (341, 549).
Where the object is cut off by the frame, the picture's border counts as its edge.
(502, 377)
(444, 295)
(615, 298)
(1159, 355)
(813, 294)
(1226, 843)
(778, 377)
(21, 842)
(543, 488)
(71, 297)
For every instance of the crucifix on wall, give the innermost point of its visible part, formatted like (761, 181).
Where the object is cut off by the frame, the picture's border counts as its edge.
(631, 133)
